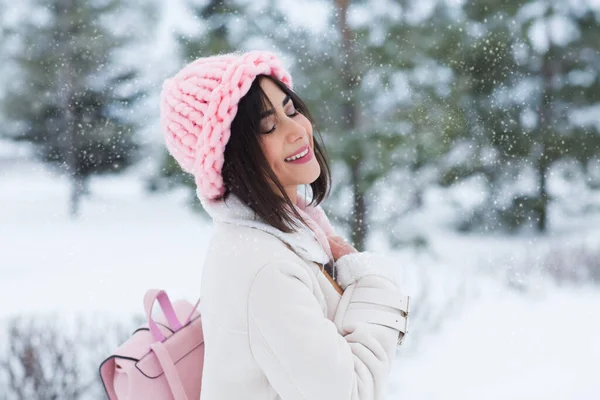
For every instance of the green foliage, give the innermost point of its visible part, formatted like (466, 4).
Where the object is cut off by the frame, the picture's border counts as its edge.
(525, 129)
(68, 101)
(217, 18)
(171, 175)
(462, 92)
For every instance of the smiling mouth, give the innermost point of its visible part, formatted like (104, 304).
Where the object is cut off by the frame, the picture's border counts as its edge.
(299, 155)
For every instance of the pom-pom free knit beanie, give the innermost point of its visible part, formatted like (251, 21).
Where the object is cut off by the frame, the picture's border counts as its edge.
(198, 104)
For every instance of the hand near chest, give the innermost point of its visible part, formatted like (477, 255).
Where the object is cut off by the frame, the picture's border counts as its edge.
(339, 247)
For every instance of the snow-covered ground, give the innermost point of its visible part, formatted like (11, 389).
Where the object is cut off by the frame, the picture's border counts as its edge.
(473, 335)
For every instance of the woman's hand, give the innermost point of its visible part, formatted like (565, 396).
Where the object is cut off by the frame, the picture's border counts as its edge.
(339, 247)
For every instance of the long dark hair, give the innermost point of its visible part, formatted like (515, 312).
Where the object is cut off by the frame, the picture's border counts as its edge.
(246, 171)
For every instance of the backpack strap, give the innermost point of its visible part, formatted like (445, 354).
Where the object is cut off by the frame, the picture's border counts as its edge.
(167, 309)
(189, 318)
(171, 373)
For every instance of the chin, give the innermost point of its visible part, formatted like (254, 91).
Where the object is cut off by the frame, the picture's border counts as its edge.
(316, 175)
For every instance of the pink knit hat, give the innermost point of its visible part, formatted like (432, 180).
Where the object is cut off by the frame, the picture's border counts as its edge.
(198, 104)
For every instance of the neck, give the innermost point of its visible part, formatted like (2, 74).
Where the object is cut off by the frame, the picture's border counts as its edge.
(292, 193)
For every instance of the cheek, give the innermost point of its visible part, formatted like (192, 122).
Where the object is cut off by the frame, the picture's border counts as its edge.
(271, 152)
(306, 124)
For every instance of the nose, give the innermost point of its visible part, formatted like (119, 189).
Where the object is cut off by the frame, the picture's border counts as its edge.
(295, 131)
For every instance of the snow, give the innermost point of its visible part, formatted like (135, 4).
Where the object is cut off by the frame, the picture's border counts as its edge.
(474, 335)
(124, 242)
(509, 346)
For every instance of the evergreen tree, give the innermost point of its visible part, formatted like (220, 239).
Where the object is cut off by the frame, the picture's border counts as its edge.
(519, 99)
(69, 99)
(352, 75)
(566, 78)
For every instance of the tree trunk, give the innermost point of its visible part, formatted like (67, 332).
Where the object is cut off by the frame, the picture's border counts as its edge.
(542, 222)
(78, 189)
(359, 221)
(542, 161)
(70, 148)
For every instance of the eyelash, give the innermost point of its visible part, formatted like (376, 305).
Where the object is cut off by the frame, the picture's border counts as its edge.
(273, 129)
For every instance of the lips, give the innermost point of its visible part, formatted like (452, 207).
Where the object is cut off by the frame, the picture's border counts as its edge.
(298, 152)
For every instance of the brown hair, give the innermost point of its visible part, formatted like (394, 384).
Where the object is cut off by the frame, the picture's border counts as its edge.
(246, 171)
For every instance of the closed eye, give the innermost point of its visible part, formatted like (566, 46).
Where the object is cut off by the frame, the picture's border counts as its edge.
(295, 113)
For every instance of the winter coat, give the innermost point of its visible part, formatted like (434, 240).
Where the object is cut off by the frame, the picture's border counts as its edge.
(275, 327)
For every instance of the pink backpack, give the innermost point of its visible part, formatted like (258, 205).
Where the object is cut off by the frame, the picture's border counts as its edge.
(162, 359)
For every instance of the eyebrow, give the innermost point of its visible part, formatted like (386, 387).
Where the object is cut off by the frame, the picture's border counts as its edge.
(271, 111)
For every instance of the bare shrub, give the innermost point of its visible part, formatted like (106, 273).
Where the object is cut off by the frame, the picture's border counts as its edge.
(563, 263)
(579, 264)
(437, 295)
(48, 358)
(428, 313)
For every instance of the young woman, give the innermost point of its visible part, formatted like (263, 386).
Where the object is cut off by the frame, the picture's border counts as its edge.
(289, 309)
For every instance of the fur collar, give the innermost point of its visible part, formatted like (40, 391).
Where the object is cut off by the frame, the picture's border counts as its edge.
(310, 244)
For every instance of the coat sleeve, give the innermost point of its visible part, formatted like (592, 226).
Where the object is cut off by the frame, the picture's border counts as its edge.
(303, 354)
(354, 266)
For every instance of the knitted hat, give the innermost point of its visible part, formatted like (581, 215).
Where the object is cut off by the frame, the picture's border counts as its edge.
(198, 104)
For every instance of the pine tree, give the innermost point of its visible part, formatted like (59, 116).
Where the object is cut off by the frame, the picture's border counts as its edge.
(350, 74)
(68, 100)
(514, 132)
(559, 93)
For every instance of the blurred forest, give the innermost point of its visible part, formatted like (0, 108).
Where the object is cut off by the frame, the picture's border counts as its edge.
(406, 94)
(499, 96)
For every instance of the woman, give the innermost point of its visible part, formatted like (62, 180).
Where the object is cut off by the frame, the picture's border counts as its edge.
(289, 309)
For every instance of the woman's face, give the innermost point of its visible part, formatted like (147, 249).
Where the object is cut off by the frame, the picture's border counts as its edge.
(286, 133)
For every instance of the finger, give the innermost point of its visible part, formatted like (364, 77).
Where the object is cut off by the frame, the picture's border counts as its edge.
(336, 250)
(334, 245)
(338, 239)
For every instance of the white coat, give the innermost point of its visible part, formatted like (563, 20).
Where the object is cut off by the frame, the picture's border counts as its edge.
(275, 327)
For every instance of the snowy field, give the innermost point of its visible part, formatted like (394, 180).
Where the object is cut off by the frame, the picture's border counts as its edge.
(483, 327)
